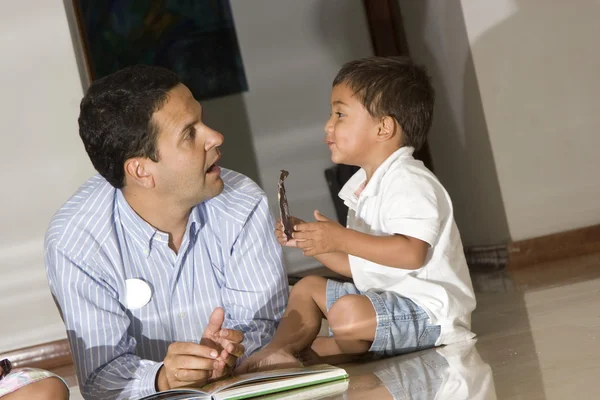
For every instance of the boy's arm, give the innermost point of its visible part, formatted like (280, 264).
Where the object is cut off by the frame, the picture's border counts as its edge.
(337, 262)
(397, 251)
(326, 236)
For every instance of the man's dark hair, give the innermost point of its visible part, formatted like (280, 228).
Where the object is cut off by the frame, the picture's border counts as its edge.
(115, 118)
(393, 86)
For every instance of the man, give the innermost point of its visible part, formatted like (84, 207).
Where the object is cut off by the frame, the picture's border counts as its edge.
(164, 265)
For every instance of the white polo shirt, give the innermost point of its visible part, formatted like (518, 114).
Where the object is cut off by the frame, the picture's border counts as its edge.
(403, 197)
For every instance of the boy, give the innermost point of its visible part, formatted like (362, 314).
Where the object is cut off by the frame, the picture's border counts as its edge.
(411, 287)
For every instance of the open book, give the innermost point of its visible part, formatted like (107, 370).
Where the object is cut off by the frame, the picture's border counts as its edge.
(298, 383)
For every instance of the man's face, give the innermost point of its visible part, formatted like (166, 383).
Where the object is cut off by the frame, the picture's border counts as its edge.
(188, 150)
(350, 129)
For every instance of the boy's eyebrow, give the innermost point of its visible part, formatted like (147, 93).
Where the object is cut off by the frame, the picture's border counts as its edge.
(339, 102)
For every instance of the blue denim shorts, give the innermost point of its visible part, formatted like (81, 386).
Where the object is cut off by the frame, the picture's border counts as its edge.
(402, 326)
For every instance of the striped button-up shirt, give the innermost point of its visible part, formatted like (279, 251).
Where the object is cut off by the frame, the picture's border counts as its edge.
(229, 257)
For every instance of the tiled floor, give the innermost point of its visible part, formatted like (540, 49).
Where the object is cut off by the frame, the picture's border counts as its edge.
(538, 338)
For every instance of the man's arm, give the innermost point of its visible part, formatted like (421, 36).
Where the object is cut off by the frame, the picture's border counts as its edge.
(256, 287)
(104, 354)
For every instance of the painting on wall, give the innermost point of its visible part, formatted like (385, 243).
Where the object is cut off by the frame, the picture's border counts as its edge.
(195, 38)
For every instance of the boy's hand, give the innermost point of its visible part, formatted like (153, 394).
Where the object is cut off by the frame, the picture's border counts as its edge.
(280, 235)
(319, 237)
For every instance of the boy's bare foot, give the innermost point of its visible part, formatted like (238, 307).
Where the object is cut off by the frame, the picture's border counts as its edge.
(268, 359)
(310, 357)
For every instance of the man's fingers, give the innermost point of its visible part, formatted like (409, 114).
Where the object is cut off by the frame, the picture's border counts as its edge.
(230, 360)
(196, 375)
(192, 349)
(185, 362)
(235, 349)
(214, 322)
(232, 335)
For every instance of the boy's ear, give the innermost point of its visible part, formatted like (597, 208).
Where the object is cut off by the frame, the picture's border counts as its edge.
(388, 128)
(137, 172)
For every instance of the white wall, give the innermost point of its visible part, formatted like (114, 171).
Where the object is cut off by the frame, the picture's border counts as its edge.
(42, 162)
(538, 75)
(291, 52)
(514, 137)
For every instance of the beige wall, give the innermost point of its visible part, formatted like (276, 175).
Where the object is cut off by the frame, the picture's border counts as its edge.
(515, 137)
(291, 51)
(42, 163)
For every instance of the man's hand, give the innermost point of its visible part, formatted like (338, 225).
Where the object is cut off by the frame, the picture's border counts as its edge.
(227, 341)
(280, 235)
(323, 236)
(191, 364)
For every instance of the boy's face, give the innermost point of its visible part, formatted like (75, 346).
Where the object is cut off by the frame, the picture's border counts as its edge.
(350, 130)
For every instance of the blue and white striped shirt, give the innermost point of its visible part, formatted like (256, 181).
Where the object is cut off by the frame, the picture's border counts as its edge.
(229, 257)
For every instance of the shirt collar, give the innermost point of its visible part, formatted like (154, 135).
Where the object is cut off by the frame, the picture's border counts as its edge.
(142, 232)
(350, 193)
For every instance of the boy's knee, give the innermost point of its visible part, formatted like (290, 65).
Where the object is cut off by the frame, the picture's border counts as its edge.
(309, 284)
(349, 313)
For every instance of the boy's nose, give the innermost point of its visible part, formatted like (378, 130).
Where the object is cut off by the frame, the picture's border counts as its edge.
(328, 127)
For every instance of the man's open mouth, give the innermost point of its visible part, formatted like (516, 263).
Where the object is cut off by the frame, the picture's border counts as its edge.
(211, 168)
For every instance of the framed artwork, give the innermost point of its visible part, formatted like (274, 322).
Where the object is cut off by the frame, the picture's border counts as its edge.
(194, 38)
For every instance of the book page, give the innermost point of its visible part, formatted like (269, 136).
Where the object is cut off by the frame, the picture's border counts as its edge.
(280, 374)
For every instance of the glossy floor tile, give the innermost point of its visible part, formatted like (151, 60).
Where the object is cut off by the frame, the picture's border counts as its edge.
(538, 338)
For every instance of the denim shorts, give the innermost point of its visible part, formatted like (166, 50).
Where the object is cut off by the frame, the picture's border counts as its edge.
(402, 326)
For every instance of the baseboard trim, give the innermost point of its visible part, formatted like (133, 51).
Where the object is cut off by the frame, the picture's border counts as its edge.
(574, 243)
(488, 258)
(46, 355)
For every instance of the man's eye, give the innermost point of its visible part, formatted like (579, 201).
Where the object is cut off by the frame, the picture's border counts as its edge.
(191, 134)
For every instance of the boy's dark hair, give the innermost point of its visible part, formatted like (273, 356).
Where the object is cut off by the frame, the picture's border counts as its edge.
(393, 86)
(115, 119)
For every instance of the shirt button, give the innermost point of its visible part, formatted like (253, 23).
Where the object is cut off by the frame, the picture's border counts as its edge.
(182, 314)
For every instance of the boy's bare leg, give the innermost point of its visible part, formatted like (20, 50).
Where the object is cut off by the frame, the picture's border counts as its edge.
(353, 321)
(298, 328)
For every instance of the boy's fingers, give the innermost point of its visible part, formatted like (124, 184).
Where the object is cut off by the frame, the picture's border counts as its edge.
(304, 244)
(304, 227)
(301, 235)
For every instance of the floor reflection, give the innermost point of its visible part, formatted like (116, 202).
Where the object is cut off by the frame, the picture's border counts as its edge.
(449, 372)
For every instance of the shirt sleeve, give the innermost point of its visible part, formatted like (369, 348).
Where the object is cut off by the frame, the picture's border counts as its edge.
(103, 352)
(256, 289)
(411, 208)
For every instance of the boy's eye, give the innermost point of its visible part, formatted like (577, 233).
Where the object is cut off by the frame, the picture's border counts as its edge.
(339, 114)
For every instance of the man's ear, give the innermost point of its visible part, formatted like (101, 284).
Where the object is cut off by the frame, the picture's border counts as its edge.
(388, 128)
(136, 172)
